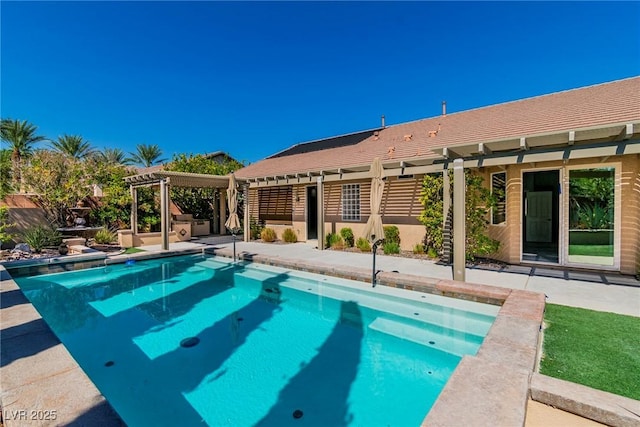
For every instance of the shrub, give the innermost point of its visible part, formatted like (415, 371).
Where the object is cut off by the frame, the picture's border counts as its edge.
(40, 236)
(478, 202)
(391, 248)
(255, 228)
(418, 248)
(105, 236)
(335, 241)
(5, 236)
(347, 235)
(268, 235)
(289, 236)
(363, 244)
(391, 234)
(432, 253)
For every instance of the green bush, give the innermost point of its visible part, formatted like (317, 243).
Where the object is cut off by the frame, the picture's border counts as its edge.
(432, 253)
(391, 248)
(327, 240)
(391, 234)
(5, 236)
(40, 236)
(347, 235)
(336, 241)
(256, 228)
(268, 235)
(104, 236)
(363, 244)
(289, 236)
(418, 248)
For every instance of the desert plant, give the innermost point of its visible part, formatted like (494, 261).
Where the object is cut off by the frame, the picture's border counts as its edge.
(105, 236)
(40, 236)
(432, 253)
(418, 248)
(268, 235)
(391, 248)
(289, 236)
(347, 235)
(594, 217)
(363, 244)
(391, 234)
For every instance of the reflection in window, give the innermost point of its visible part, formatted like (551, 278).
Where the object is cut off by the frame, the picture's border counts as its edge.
(499, 191)
(591, 216)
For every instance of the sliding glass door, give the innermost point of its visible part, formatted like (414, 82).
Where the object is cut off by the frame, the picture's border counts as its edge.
(591, 215)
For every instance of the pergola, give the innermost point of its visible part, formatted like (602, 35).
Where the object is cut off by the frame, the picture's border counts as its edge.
(166, 179)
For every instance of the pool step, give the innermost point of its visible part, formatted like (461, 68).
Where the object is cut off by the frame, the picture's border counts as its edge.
(452, 344)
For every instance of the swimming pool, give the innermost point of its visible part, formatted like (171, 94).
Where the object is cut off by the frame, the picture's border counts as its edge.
(269, 342)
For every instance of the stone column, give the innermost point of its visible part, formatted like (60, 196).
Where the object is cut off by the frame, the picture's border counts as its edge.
(320, 198)
(134, 209)
(164, 219)
(223, 212)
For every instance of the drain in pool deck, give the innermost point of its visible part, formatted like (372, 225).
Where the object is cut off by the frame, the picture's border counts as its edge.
(189, 342)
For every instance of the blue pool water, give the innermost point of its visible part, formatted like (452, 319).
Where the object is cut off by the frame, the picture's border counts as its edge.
(270, 342)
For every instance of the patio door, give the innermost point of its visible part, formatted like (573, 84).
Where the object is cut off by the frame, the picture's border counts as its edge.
(541, 216)
(592, 214)
(312, 212)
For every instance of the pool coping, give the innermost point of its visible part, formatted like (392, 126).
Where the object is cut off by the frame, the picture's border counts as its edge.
(491, 387)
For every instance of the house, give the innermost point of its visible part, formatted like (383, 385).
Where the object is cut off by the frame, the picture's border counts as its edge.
(568, 164)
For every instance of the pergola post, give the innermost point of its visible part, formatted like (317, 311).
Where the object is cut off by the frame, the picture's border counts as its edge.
(320, 193)
(223, 212)
(164, 214)
(247, 225)
(134, 209)
(459, 226)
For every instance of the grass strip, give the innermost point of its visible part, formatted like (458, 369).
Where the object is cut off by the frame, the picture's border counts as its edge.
(593, 348)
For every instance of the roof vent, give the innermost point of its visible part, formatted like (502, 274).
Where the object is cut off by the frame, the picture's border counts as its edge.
(408, 137)
(382, 120)
(444, 108)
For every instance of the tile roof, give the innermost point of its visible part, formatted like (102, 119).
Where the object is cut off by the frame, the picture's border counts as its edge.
(599, 105)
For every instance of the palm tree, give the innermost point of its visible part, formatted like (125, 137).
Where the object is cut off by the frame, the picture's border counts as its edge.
(113, 156)
(21, 137)
(73, 146)
(147, 155)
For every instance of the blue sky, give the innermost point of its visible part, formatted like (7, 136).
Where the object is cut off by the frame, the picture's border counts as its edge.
(252, 79)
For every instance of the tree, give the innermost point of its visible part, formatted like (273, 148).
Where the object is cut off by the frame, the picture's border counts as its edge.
(113, 156)
(199, 201)
(5, 173)
(21, 137)
(73, 146)
(147, 155)
(478, 202)
(59, 182)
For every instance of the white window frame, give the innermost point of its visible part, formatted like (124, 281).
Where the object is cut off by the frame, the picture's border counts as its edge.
(350, 202)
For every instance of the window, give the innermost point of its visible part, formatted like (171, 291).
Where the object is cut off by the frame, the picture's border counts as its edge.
(275, 203)
(499, 191)
(351, 202)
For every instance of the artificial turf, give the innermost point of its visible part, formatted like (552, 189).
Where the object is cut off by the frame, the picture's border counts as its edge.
(593, 348)
(132, 251)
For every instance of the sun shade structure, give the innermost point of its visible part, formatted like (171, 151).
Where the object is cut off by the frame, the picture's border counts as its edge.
(166, 179)
(374, 230)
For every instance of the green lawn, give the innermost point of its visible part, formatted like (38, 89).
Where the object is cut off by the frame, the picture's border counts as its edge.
(591, 250)
(132, 251)
(596, 349)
